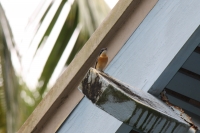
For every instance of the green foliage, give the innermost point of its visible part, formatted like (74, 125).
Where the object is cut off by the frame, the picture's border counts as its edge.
(88, 14)
(17, 101)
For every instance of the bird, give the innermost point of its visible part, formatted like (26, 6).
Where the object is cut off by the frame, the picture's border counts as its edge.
(101, 60)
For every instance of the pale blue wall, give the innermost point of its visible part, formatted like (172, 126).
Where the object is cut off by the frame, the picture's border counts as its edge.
(143, 58)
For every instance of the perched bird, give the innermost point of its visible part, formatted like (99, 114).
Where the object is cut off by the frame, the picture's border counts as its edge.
(101, 60)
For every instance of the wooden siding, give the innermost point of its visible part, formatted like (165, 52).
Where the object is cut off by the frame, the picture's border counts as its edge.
(146, 55)
(184, 105)
(193, 63)
(184, 88)
(159, 47)
(153, 46)
(185, 85)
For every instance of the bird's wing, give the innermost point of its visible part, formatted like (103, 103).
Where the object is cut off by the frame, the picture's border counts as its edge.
(96, 62)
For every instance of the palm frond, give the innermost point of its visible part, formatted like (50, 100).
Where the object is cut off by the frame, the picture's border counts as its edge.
(9, 86)
(54, 34)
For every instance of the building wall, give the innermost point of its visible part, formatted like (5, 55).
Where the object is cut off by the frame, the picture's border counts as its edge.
(143, 58)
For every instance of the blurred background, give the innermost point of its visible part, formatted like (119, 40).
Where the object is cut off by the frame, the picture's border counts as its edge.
(38, 40)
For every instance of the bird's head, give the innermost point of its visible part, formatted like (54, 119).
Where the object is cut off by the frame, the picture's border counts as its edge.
(103, 51)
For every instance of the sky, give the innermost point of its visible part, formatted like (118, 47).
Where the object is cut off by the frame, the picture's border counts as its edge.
(111, 3)
(18, 13)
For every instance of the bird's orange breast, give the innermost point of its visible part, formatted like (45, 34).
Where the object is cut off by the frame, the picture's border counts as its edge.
(101, 63)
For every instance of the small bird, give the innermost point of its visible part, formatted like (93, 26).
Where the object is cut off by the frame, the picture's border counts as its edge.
(101, 60)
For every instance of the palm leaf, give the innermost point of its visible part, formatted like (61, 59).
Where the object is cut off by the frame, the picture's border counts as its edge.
(83, 13)
(9, 85)
(57, 30)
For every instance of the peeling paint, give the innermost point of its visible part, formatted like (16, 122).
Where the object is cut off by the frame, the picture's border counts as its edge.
(135, 108)
(178, 110)
(91, 87)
